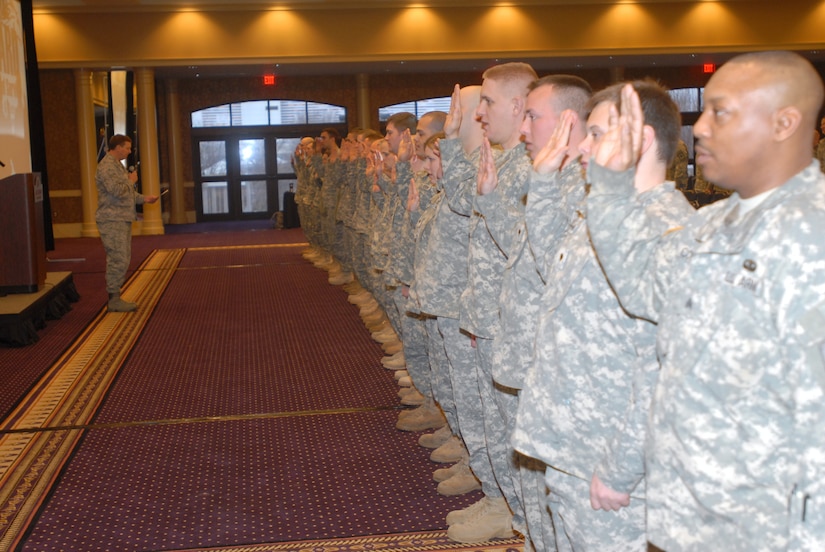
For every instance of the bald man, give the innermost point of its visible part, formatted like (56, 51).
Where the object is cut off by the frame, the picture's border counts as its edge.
(736, 448)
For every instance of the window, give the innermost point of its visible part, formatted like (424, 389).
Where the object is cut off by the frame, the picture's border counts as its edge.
(688, 99)
(268, 113)
(417, 108)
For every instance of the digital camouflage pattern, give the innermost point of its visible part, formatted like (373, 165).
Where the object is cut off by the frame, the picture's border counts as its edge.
(441, 267)
(116, 200)
(493, 226)
(116, 195)
(735, 443)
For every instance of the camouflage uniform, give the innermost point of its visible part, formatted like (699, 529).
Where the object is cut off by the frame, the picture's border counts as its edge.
(735, 440)
(522, 288)
(399, 273)
(412, 227)
(585, 400)
(348, 174)
(428, 278)
(446, 262)
(361, 223)
(311, 220)
(116, 200)
(380, 245)
(340, 199)
(329, 202)
(496, 227)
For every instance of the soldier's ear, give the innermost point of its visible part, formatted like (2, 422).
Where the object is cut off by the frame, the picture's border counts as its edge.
(786, 122)
(518, 105)
(648, 138)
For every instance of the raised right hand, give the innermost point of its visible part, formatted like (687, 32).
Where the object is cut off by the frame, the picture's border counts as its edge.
(453, 122)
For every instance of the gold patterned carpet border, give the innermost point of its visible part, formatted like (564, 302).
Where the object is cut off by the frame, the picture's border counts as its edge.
(68, 395)
(268, 245)
(435, 541)
(39, 436)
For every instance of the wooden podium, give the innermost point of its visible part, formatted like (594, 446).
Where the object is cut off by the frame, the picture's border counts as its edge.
(22, 242)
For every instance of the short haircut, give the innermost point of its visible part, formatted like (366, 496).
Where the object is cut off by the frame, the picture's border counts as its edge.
(118, 140)
(402, 121)
(515, 73)
(659, 110)
(570, 92)
(333, 133)
(437, 119)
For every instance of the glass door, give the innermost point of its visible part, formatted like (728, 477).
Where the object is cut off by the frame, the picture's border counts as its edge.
(237, 179)
(244, 175)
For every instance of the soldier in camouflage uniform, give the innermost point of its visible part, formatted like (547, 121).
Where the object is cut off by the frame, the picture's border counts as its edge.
(361, 221)
(311, 199)
(332, 183)
(116, 200)
(523, 286)
(440, 280)
(414, 333)
(497, 213)
(584, 406)
(735, 449)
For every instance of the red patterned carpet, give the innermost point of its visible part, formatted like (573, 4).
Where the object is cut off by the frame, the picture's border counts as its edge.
(243, 407)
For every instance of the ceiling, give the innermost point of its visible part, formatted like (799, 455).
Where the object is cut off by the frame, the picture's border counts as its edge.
(542, 65)
(126, 5)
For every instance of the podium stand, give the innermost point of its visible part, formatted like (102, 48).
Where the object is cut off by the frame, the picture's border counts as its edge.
(22, 242)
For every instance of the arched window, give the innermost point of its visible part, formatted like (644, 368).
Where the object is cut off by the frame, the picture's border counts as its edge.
(269, 113)
(417, 108)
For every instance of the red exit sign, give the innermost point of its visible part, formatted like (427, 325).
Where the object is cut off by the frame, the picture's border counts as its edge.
(709, 68)
(269, 80)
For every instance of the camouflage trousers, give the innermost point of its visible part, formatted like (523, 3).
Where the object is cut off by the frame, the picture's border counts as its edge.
(414, 338)
(528, 477)
(117, 241)
(359, 259)
(502, 454)
(346, 247)
(580, 527)
(440, 373)
(464, 378)
(327, 230)
(338, 246)
(309, 223)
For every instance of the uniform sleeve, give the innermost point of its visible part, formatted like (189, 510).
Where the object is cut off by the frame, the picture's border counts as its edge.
(806, 350)
(549, 205)
(629, 231)
(459, 179)
(402, 182)
(425, 195)
(623, 464)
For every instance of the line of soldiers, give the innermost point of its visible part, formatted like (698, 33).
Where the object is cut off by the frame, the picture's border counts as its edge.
(611, 367)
